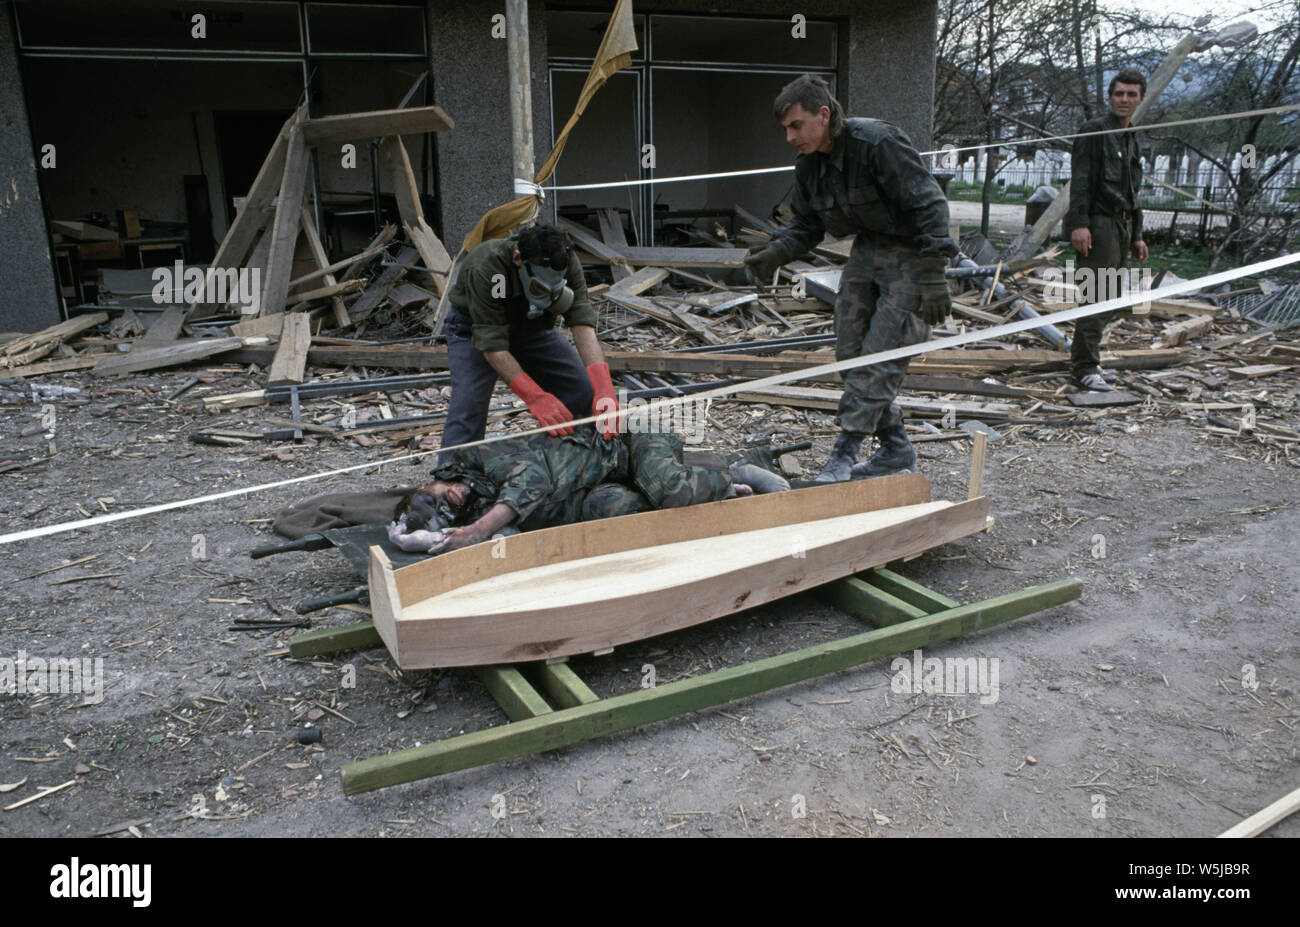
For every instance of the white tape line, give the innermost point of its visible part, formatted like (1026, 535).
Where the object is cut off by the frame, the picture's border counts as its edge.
(1005, 143)
(528, 188)
(953, 341)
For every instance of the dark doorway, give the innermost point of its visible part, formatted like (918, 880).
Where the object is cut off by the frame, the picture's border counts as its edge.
(243, 140)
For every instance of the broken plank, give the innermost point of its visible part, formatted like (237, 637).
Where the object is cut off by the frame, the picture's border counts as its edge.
(808, 397)
(62, 365)
(374, 294)
(638, 282)
(178, 352)
(694, 325)
(290, 362)
(416, 120)
(431, 249)
(284, 230)
(165, 327)
(1255, 371)
(45, 340)
(1087, 399)
(684, 257)
(589, 242)
(243, 230)
(611, 230)
(341, 317)
(325, 292)
(1182, 332)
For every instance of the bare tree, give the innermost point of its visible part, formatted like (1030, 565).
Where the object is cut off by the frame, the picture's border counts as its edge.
(1260, 75)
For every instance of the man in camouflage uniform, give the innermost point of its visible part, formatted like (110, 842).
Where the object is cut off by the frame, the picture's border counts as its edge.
(1104, 221)
(863, 177)
(539, 482)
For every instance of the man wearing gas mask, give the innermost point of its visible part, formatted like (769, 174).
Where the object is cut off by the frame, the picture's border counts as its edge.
(505, 304)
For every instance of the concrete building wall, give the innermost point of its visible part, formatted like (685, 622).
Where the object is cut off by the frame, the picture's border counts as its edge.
(28, 289)
(471, 83)
(885, 70)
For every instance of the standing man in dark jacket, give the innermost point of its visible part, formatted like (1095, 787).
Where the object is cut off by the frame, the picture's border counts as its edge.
(1104, 221)
(863, 177)
(505, 304)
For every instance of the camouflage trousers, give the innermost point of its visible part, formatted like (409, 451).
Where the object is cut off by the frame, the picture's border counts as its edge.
(659, 478)
(876, 311)
(1111, 237)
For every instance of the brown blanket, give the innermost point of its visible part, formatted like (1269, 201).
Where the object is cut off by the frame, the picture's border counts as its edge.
(338, 510)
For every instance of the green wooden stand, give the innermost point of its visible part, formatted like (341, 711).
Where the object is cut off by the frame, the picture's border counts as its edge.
(905, 614)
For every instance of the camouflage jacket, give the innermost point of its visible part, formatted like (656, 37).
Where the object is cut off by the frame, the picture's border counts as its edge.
(873, 182)
(488, 289)
(1105, 175)
(544, 479)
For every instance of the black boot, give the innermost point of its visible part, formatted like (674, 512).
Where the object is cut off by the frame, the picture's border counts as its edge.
(844, 454)
(896, 455)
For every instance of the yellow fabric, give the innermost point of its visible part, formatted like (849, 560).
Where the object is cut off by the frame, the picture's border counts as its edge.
(615, 53)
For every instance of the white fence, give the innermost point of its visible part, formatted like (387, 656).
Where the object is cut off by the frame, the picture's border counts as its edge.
(1052, 167)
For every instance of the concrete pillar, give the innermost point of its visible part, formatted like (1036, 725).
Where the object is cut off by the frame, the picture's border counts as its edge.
(28, 287)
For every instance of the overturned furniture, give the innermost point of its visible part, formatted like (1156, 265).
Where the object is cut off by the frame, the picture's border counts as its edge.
(588, 587)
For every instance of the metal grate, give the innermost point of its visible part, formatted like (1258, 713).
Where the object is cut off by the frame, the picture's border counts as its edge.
(1280, 308)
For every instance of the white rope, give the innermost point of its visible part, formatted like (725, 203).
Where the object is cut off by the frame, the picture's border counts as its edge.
(984, 334)
(528, 188)
(1007, 143)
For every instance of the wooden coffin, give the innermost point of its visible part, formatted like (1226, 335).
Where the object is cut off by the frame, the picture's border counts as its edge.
(587, 587)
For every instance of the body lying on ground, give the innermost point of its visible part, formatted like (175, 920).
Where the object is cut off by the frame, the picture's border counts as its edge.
(522, 484)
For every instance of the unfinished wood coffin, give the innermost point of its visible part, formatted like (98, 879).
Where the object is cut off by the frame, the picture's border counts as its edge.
(587, 587)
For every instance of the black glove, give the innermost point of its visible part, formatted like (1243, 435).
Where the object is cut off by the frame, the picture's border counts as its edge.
(936, 301)
(762, 262)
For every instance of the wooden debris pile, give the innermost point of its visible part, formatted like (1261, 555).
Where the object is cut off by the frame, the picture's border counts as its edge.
(681, 318)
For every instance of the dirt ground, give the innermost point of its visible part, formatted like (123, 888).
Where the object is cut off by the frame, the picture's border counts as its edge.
(1164, 702)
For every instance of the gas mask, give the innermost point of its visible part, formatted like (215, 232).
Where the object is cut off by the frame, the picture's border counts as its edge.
(426, 511)
(545, 290)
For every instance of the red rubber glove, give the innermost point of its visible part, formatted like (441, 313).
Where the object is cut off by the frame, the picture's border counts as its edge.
(543, 405)
(606, 400)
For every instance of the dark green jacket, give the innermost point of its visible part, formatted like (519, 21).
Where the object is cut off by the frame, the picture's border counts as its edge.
(488, 289)
(544, 479)
(1105, 175)
(874, 183)
(547, 480)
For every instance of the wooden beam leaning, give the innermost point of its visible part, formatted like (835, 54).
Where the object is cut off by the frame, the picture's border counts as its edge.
(606, 716)
(611, 230)
(242, 233)
(341, 317)
(432, 251)
(288, 219)
(415, 120)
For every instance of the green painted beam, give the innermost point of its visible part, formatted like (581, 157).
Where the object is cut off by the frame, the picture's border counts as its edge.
(564, 686)
(865, 601)
(912, 593)
(515, 694)
(643, 706)
(359, 636)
